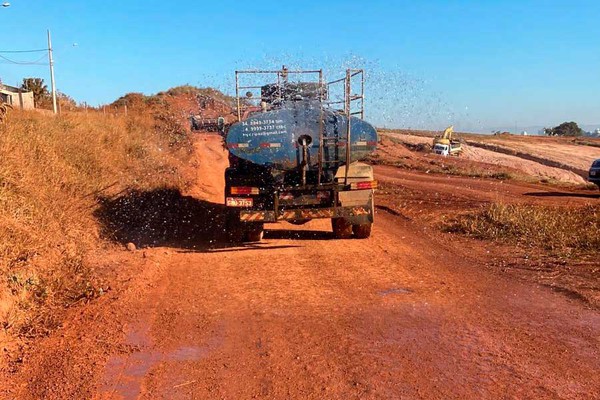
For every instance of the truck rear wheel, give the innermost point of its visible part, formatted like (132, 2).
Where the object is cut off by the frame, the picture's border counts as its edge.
(233, 228)
(255, 232)
(362, 231)
(342, 229)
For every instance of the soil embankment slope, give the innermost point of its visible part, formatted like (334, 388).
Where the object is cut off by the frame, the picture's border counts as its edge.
(543, 159)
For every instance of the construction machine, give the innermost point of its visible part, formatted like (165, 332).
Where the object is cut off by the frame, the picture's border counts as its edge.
(446, 145)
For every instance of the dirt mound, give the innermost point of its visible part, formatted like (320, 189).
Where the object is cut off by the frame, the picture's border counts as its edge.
(476, 158)
(414, 152)
(529, 167)
(174, 108)
(389, 151)
(576, 156)
(53, 169)
(211, 160)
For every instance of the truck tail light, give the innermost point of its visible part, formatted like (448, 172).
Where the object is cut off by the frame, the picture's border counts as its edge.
(244, 190)
(363, 185)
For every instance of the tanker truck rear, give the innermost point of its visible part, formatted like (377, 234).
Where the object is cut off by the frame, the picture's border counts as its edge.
(295, 155)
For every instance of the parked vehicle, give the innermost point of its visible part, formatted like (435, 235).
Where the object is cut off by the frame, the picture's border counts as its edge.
(594, 174)
(446, 145)
(294, 157)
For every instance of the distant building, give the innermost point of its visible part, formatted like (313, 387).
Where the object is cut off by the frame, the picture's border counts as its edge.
(16, 97)
(524, 133)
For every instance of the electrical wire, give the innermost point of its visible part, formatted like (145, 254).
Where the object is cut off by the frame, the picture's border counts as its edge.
(9, 63)
(36, 62)
(23, 51)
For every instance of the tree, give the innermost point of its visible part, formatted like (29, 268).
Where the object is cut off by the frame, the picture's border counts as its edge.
(65, 102)
(40, 91)
(564, 129)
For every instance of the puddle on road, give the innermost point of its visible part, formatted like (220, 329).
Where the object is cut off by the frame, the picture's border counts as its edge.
(188, 353)
(124, 373)
(390, 291)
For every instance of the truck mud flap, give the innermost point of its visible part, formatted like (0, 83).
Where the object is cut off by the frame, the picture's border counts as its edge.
(300, 214)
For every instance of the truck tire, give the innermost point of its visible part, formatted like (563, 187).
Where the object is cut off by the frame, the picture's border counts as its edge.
(255, 232)
(234, 229)
(342, 229)
(362, 231)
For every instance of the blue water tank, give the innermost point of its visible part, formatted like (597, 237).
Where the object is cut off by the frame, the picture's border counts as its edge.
(273, 138)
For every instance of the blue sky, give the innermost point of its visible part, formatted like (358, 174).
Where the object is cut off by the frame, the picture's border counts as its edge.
(476, 64)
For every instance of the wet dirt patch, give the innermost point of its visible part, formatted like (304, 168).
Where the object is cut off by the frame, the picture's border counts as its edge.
(393, 291)
(124, 373)
(163, 217)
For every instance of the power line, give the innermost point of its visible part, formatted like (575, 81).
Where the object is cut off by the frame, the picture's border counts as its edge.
(24, 64)
(36, 62)
(23, 51)
(48, 52)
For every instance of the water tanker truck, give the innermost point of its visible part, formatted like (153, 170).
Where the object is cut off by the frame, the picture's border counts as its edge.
(295, 153)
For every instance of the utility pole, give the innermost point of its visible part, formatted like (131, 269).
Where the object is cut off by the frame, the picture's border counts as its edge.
(54, 107)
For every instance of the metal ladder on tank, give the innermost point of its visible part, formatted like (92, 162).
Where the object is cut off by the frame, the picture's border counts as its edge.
(348, 99)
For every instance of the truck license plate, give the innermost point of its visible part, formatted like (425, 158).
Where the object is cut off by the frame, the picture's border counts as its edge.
(239, 202)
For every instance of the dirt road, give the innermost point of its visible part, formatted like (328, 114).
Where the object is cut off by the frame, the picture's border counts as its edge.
(391, 317)
(402, 315)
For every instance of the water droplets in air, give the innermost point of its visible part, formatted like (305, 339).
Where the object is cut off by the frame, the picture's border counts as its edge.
(394, 96)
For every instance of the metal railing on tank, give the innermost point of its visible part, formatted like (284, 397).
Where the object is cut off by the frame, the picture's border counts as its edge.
(280, 77)
(349, 100)
(353, 102)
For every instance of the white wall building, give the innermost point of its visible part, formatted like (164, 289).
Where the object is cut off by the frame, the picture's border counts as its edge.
(16, 97)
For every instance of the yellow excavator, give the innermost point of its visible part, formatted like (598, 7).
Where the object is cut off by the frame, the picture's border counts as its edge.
(445, 145)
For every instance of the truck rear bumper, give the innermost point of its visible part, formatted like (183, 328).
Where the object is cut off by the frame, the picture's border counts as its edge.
(354, 213)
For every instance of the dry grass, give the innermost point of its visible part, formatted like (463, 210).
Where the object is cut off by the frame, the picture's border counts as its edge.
(52, 171)
(550, 228)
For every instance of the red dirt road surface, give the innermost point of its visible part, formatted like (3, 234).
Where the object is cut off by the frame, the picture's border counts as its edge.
(406, 314)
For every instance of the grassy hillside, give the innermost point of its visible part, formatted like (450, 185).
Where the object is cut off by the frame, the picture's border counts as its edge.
(53, 171)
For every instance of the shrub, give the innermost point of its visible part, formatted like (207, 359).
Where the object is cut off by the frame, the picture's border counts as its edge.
(551, 228)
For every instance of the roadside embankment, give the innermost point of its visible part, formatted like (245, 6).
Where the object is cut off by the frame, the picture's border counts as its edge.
(54, 173)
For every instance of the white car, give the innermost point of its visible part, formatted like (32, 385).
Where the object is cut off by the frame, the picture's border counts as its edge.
(442, 149)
